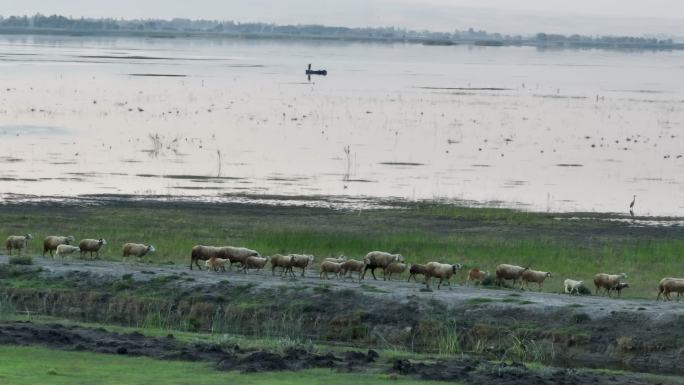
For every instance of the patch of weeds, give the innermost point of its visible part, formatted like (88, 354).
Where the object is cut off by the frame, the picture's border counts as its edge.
(324, 288)
(526, 302)
(574, 305)
(20, 260)
(514, 295)
(147, 272)
(580, 318)
(127, 277)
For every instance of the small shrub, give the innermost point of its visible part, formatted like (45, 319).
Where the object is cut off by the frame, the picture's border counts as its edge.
(52, 372)
(20, 260)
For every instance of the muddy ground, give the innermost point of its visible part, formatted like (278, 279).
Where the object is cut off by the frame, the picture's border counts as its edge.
(464, 369)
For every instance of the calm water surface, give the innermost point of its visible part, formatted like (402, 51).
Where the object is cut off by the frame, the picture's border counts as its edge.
(559, 130)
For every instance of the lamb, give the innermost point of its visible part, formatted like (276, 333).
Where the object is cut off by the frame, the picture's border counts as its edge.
(571, 286)
(17, 242)
(330, 267)
(505, 272)
(300, 261)
(416, 269)
(607, 281)
(443, 271)
(476, 275)
(91, 246)
(619, 287)
(215, 264)
(201, 253)
(252, 262)
(236, 254)
(379, 259)
(283, 261)
(64, 250)
(136, 249)
(51, 242)
(669, 285)
(535, 276)
(395, 268)
(352, 265)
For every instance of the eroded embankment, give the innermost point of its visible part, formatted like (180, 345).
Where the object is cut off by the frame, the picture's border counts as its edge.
(364, 316)
(462, 369)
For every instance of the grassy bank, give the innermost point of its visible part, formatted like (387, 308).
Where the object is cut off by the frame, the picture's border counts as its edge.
(37, 365)
(477, 237)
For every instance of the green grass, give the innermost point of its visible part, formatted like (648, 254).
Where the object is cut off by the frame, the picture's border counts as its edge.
(38, 365)
(476, 237)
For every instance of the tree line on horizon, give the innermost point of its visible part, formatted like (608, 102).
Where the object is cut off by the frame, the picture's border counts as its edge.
(180, 25)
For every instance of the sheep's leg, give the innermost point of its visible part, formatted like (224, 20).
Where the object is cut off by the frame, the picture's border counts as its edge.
(303, 270)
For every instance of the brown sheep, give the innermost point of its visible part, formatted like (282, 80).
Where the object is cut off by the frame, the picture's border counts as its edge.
(215, 264)
(51, 242)
(17, 242)
(201, 253)
(476, 275)
(91, 246)
(416, 269)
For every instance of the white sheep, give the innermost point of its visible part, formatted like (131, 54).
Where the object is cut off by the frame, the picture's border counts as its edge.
(65, 250)
(201, 253)
(350, 266)
(339, 259)
(254, 263)
(395, 268)
(300, 261)
(235, 254)
(379, 259)
(91, 246)
(670, 285)
(607, 282)
(443, 271)
(535, 276)
(571, 286)
(137, 250)
(17, 242)
(282, 261)
(505, 272)
(51, 242)
(330, 267)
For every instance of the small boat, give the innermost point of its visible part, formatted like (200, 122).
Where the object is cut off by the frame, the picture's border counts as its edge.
(310, 72)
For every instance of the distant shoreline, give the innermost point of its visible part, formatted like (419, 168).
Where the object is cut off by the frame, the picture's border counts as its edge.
(525, 42)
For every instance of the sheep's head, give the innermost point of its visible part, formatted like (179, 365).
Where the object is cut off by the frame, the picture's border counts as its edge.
(311, 258)
(151, 248)
(69, 239)
(548, 275)
(623, 275)
(102, 241)
(29, 236)
(399, 258)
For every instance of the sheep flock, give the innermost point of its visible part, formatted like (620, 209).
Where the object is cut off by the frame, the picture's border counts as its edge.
(219, 259)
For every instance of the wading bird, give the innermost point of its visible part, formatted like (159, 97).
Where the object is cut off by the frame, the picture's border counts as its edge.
(631, 206)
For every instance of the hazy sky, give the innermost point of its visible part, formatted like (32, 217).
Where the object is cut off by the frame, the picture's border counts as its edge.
(634, 17)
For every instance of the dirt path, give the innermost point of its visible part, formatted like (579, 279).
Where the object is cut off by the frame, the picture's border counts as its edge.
(401, 291)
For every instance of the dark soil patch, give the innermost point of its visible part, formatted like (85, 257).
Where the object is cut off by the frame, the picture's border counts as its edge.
(228, 358)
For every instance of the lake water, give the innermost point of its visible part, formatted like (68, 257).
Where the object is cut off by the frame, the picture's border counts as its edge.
(558, 130)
